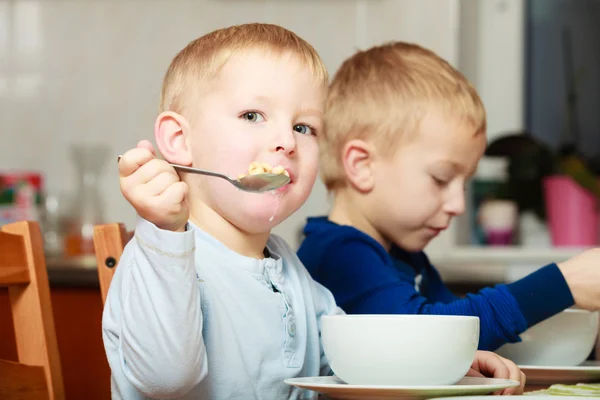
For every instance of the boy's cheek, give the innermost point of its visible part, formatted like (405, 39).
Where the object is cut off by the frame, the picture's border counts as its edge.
(309, 176)
(230, 161)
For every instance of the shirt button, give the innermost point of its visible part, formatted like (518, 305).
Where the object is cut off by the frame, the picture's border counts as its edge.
(292, 329)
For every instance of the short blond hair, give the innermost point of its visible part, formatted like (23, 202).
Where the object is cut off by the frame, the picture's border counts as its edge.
(192, 69)
(382, 93)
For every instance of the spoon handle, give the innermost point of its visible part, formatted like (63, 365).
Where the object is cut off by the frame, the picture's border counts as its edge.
(199, 171)
(194, 170)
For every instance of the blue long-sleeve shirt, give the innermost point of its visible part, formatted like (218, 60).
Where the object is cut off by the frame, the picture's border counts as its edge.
(366, 279)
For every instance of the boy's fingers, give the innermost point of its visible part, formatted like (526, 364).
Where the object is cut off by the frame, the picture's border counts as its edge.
(133, 160)
(146, 144)
(175, 194)
(523, 383)
(474, 373)
(150, 170)
(160, 183)
(515, 374)
(492, 365)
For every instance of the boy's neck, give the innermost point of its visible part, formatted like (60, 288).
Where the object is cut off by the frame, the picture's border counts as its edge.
(243, 243)
(346, 210)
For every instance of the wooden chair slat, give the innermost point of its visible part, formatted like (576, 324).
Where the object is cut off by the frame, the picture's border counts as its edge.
(13, 260)
(109, 241)
(29, 294)
(22, 382)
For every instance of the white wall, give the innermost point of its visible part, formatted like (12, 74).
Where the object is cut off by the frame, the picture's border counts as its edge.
(496, 63)
(491, 54)
(89, 71)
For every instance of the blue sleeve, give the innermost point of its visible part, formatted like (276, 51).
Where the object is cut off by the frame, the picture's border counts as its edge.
(438, 291)
(539, 295)
(542, 294)
(363, 282)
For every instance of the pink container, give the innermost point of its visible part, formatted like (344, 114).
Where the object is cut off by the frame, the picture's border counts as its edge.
(572, 213)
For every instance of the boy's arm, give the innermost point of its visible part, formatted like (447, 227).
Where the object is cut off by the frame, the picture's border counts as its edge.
(439, 291)
(161, 347)
(363, 283)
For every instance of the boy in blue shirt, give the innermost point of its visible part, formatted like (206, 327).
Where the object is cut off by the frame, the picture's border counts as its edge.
(404, 132)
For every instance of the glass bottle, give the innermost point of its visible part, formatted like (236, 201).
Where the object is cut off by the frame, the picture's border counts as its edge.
(87, 209)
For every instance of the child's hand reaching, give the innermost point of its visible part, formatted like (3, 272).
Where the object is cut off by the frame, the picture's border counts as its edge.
(582, 274)
(491, 365)
(153, 188)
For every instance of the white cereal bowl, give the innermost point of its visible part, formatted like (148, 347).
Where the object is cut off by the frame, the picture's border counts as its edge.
(400, 350)
(565, 339)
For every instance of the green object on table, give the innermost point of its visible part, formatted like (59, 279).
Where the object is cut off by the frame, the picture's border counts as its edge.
(579, 390)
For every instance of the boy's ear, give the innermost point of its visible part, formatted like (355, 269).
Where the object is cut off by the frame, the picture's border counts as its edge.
(170, 132)
(357, 158)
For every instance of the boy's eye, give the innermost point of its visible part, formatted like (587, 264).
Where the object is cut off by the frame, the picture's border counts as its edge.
(304, 129)
(439, 182)
(253, 116)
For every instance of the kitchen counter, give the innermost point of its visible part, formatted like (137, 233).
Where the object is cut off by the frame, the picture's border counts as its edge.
(82, 272)
(74, 272)
(462, 267)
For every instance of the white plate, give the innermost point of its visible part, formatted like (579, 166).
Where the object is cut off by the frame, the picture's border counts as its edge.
(530, 397)
(335, 388)
(587, 372)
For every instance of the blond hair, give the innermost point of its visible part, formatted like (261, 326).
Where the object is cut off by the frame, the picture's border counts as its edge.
(382, 93)
(192, 69)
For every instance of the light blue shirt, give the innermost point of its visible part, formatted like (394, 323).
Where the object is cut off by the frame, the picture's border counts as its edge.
(188, 318)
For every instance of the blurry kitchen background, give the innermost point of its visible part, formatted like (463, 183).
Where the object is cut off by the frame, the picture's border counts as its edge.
(80, 80)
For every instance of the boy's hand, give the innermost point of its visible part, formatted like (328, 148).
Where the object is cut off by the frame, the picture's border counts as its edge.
(582, 274)
(491, 365)
(153, 188)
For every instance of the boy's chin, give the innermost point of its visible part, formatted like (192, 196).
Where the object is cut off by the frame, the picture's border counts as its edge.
(414, 244)
(261, 221)
(259, 213)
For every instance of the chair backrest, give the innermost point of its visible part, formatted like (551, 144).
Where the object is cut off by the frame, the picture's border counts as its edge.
(109, 242)
(37, 373)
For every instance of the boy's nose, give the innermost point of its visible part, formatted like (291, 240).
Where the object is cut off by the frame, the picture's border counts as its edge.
(456, 203)
(284, 141)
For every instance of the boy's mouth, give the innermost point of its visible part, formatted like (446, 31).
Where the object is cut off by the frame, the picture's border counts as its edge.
(286, 187)
(437, 230)
(291, 175)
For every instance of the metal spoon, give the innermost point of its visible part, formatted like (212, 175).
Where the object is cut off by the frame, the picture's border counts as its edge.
(250, 183)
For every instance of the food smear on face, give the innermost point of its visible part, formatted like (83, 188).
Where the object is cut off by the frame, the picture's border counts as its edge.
(277, 203)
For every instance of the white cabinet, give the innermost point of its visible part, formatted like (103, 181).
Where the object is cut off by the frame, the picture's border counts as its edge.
(491, 44)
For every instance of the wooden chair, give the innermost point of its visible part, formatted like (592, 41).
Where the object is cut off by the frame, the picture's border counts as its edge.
(37, 374)
(109, 242)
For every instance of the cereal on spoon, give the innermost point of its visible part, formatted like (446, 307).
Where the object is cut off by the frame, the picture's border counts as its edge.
(257, 167)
